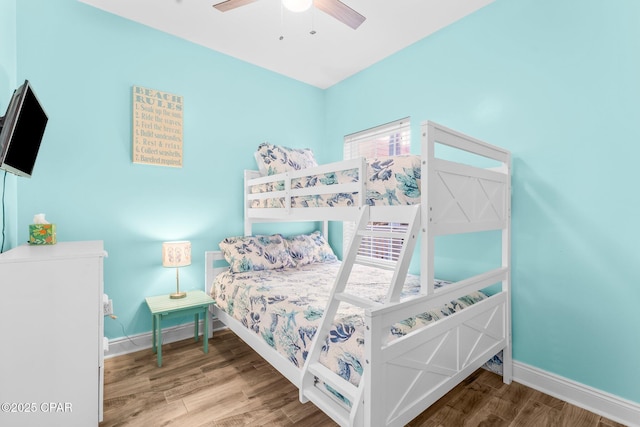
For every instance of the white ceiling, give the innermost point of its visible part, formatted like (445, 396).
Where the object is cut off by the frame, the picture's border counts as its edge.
(252, 32)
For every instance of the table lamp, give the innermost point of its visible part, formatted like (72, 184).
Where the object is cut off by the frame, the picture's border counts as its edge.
(176, 254)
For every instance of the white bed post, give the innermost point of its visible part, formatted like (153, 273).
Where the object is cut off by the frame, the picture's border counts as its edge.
(427, 192)
(374, 374)
(507, 360)
(247, 219)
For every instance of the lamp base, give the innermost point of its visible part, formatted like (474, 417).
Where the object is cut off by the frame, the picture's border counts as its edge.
(178, 295)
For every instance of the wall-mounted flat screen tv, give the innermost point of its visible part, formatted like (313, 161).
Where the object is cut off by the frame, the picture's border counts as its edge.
(22, 128)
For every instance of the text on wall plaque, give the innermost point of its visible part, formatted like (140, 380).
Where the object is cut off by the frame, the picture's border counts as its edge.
(157, 127)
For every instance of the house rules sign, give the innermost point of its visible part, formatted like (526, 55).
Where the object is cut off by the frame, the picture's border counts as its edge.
(157, 127)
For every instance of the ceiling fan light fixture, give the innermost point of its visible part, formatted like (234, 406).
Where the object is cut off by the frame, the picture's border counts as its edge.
(297, 5)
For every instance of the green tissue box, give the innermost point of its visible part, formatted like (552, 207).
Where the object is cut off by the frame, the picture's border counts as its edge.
(42, 234)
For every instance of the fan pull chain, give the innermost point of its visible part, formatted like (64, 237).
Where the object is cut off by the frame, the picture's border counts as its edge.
(313, 21)
(281, 22)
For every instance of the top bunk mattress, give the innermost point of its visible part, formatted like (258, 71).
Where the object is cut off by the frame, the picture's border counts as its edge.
(390, 181)
(284, 308)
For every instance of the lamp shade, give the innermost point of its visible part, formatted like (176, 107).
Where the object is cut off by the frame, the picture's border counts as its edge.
(176, 254)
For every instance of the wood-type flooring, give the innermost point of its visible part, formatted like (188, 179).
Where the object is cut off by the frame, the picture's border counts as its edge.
(233, 386)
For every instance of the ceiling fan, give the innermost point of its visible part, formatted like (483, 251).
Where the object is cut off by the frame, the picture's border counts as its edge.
(335, 8)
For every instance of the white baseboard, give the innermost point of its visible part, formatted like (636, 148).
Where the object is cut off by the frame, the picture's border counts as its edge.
(133, 343)
(607, 405)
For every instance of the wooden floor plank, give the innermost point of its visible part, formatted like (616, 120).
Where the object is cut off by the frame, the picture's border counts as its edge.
(605, 422)
(571, 415)
(537, 414)
(233, 386)
(550, 401)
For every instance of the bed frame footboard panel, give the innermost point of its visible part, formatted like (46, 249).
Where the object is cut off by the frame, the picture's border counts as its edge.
(411, 373)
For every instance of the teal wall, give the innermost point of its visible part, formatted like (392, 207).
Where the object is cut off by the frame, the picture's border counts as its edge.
(7, 51)
(557, 83)
(8, 59)
(83, 65)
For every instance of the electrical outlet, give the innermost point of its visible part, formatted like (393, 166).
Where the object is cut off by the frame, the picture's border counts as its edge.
(108, 308)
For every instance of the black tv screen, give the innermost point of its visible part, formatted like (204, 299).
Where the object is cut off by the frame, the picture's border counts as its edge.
(22, 130)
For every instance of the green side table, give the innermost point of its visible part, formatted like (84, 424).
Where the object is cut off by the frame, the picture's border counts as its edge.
(163, 307)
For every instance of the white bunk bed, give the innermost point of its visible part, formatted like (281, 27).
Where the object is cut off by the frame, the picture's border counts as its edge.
(402, 377)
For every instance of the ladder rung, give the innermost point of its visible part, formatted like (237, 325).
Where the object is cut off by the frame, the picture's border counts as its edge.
(356, 300)
(378, 263)
(405, 214)
(329, 406)
(335, 381)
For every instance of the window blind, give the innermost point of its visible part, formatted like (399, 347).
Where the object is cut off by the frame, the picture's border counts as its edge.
(390, 139)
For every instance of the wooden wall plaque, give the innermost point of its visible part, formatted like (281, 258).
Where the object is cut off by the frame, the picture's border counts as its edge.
(157, 127)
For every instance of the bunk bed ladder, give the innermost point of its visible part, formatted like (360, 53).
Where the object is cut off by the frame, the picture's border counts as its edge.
(334, 395)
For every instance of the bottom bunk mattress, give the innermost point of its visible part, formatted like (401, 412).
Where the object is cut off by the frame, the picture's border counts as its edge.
(285, 306)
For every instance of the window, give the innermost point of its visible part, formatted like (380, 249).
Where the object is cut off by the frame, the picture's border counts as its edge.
(390, 139)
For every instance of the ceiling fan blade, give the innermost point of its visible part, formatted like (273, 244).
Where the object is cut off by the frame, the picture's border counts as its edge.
(341, 12)
(231, 4)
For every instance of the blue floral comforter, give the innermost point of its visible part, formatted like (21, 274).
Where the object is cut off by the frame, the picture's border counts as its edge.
(284, 307)
(390, 181)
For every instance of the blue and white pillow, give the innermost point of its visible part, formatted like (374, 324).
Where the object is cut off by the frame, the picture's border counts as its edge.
(255, 253)
(275, 159)
(309, 248)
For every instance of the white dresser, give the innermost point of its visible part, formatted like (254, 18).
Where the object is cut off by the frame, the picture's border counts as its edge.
(51, 335)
